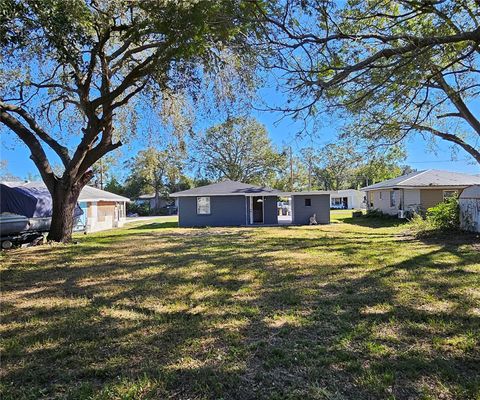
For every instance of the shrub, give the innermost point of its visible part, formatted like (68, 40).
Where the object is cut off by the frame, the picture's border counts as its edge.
(444, 217)
(140, 209)
(376, 213)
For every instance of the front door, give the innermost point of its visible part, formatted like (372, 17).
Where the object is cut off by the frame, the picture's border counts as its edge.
(257, 210)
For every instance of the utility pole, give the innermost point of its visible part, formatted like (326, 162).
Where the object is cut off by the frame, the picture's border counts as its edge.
(101, 174)
(291, 170)
(309, 171)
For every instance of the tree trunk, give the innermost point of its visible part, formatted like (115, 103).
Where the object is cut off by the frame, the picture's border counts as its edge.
(64, 199)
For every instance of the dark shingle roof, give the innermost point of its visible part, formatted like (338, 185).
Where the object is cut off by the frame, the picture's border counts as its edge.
(228, 188)
(428, 178)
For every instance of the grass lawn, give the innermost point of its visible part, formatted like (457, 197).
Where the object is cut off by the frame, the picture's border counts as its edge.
(352, 310)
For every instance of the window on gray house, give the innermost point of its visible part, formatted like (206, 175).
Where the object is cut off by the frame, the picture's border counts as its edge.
(308, 202)
(203, 205)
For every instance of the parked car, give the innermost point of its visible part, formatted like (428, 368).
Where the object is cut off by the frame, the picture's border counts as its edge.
(169, 210)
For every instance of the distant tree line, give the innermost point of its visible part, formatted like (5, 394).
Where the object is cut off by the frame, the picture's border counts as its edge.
(240, 149)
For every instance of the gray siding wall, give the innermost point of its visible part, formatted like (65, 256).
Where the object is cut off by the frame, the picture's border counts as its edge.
(224, 211)
(270, 210)
(320, 206)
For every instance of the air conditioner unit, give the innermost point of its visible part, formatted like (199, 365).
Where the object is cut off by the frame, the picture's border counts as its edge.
(401, 214)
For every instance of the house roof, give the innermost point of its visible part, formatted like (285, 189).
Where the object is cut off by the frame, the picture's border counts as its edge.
(88, 193)
(229, 188)
(429, 178)
(146, 196)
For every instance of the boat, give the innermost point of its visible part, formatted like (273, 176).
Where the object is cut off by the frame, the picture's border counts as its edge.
(25, 214)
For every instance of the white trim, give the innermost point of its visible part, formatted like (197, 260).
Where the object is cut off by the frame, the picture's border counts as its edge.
(209, 205)
(251, 210)
(246, 211)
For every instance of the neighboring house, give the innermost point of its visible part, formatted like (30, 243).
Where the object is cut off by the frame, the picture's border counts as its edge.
(347, 199)
(416, 191)
(101, 209)
(230, 203)
(154, 202)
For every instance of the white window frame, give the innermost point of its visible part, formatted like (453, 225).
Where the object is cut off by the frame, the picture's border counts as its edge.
(199, 210)
(453, 193)
(337, 201)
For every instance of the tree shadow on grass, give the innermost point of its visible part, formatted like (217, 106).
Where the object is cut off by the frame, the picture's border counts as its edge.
(235, 314)
(359, 340)
(155, 225)
(374, 222)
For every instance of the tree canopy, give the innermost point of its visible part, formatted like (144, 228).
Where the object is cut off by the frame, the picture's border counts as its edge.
(238, 149)
(72, 66)
(344, 165)
(154, 171)
(396, 67)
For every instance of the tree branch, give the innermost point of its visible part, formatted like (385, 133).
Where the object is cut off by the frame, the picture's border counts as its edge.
(449, 137)
(61, 151)
(458, 102)
(38, 155)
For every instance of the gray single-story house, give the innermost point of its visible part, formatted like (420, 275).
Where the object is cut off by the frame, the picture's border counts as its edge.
(417, 191)
(230, 203)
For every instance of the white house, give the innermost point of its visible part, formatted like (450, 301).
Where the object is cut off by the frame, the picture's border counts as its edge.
(417, 190)
(101, 210)
(347, 199)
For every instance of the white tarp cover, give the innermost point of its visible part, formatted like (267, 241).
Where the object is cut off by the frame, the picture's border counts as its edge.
(470, 209)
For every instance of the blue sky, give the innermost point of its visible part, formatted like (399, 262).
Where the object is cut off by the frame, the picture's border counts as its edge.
(283, 131)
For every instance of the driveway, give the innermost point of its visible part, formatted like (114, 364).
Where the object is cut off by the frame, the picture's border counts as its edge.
(160, 217)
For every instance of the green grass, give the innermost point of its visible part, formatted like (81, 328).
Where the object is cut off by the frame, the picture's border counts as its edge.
(352, 310)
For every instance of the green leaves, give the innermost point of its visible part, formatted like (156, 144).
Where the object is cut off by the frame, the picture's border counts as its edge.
(238, 149)
(382, 63)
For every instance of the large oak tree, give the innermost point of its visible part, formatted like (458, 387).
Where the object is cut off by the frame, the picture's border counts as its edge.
(395, 67)
(238, 149)
(83, 61)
